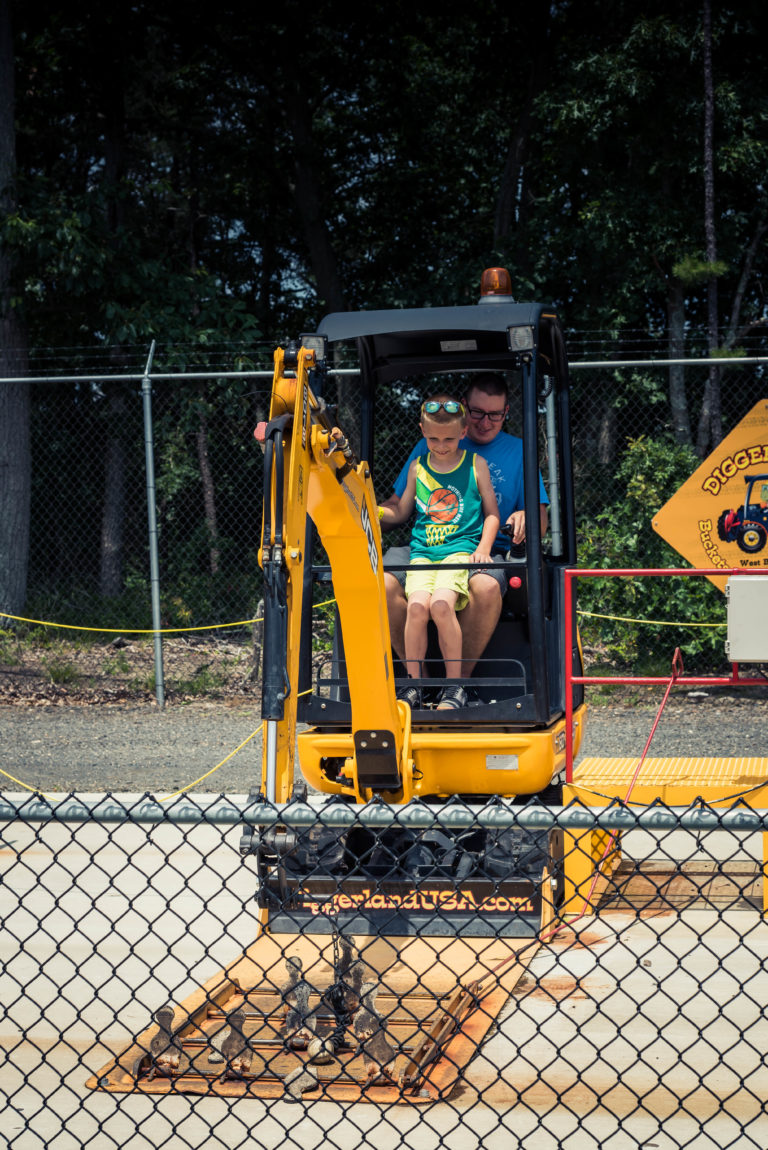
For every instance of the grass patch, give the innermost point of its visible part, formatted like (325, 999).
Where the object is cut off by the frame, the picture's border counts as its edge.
(10, 653)
(205, 681)
(116, 665)
(61, 672)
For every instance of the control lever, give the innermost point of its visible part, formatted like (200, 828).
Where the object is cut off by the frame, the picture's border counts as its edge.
(516, 553)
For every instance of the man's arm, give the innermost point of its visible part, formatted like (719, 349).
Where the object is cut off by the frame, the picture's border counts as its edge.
(492, 519)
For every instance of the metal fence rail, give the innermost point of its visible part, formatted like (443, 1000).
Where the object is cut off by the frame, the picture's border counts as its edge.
(144, 1004)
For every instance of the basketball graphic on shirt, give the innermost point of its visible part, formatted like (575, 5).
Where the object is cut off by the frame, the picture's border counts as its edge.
(443, 505)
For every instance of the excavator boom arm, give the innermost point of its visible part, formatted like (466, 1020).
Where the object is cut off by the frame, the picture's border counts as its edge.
(310, 471)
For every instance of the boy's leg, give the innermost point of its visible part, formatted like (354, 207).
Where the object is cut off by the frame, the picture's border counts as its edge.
(396, 609)
(416, 619)
(394, 582)
(443, 611)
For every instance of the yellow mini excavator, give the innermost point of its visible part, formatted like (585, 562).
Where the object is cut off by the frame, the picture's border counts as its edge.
(387, 909)
(361, 742)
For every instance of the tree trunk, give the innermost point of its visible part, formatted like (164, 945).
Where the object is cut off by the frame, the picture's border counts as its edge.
(510, 181)
(113, 507)
(209, 497)
(606, 437)
(15, 467)
(321, 251)
(510, 204)
(735, 329)
(308, 202)
(681, 424)
(710, 430)
(15, 471)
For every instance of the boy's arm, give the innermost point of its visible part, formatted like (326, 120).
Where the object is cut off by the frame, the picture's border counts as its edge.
(490, 511)
(393, 501)
(391, 504)
(397, 510)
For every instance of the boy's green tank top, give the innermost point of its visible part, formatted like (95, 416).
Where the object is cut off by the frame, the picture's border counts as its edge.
(449, 509)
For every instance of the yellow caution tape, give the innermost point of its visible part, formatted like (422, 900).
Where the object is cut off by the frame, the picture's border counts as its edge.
(648, 622)
(326, 603)
(34, 790)
(128, 630)
(141, 631)
(231, 755)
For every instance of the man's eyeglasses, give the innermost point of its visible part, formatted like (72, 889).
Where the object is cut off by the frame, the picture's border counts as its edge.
(478, 414)
(451, 406)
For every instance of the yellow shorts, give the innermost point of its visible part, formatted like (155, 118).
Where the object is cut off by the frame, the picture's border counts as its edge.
(434, 577)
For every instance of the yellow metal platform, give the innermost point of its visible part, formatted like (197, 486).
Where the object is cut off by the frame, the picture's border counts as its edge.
(676, 781)
(673, 781)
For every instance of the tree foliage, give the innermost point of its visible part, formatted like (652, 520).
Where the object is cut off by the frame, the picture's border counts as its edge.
(305, 159)
(225, 178)
(641, 620)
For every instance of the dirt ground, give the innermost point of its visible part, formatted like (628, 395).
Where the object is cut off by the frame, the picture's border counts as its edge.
(63, 672)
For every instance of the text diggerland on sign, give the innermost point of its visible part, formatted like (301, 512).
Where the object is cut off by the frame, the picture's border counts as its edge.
(421, 900)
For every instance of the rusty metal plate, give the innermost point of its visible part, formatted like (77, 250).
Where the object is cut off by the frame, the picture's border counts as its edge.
(417, 979)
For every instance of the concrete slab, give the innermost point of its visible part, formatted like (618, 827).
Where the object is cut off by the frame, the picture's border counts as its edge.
(626, 1031)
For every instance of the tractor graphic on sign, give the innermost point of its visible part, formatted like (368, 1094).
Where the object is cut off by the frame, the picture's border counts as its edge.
(748, 525)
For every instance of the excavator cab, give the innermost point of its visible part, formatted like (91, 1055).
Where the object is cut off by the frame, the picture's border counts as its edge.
(518, 683)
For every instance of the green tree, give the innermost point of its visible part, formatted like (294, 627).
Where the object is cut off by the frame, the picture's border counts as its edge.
(619, 233)
(199, 181)
(642, 620)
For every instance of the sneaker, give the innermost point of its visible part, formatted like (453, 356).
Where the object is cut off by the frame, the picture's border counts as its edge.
(473, 699)
(452, 699)
(410, 695)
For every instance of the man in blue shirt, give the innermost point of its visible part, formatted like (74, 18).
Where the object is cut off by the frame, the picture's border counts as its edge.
(487, 405)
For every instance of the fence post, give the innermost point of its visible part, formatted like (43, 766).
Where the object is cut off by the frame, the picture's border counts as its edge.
(154, 563)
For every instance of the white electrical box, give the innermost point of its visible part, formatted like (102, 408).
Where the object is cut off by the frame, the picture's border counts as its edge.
(747, 602)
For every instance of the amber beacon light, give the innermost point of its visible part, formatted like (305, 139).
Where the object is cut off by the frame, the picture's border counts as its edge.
(495, 282)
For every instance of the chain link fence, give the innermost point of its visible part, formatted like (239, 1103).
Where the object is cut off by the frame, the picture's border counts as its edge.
(144, 1005)
(143, 1002)
(89, 559)
(89, 556)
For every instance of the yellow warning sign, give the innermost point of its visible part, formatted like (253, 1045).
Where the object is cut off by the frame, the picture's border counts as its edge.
(719, 517)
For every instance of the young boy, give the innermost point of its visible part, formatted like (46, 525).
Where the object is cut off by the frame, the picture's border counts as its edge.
(457, 519)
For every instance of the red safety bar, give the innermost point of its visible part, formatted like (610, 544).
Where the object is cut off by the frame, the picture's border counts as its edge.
(734, 679)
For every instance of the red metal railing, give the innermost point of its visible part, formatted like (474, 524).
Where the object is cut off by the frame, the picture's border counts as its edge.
(734, 679)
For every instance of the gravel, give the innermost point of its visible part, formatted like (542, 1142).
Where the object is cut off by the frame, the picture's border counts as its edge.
(132, 748)
(142, 748)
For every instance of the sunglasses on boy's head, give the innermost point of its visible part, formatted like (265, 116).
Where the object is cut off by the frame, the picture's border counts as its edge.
(451, 406)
